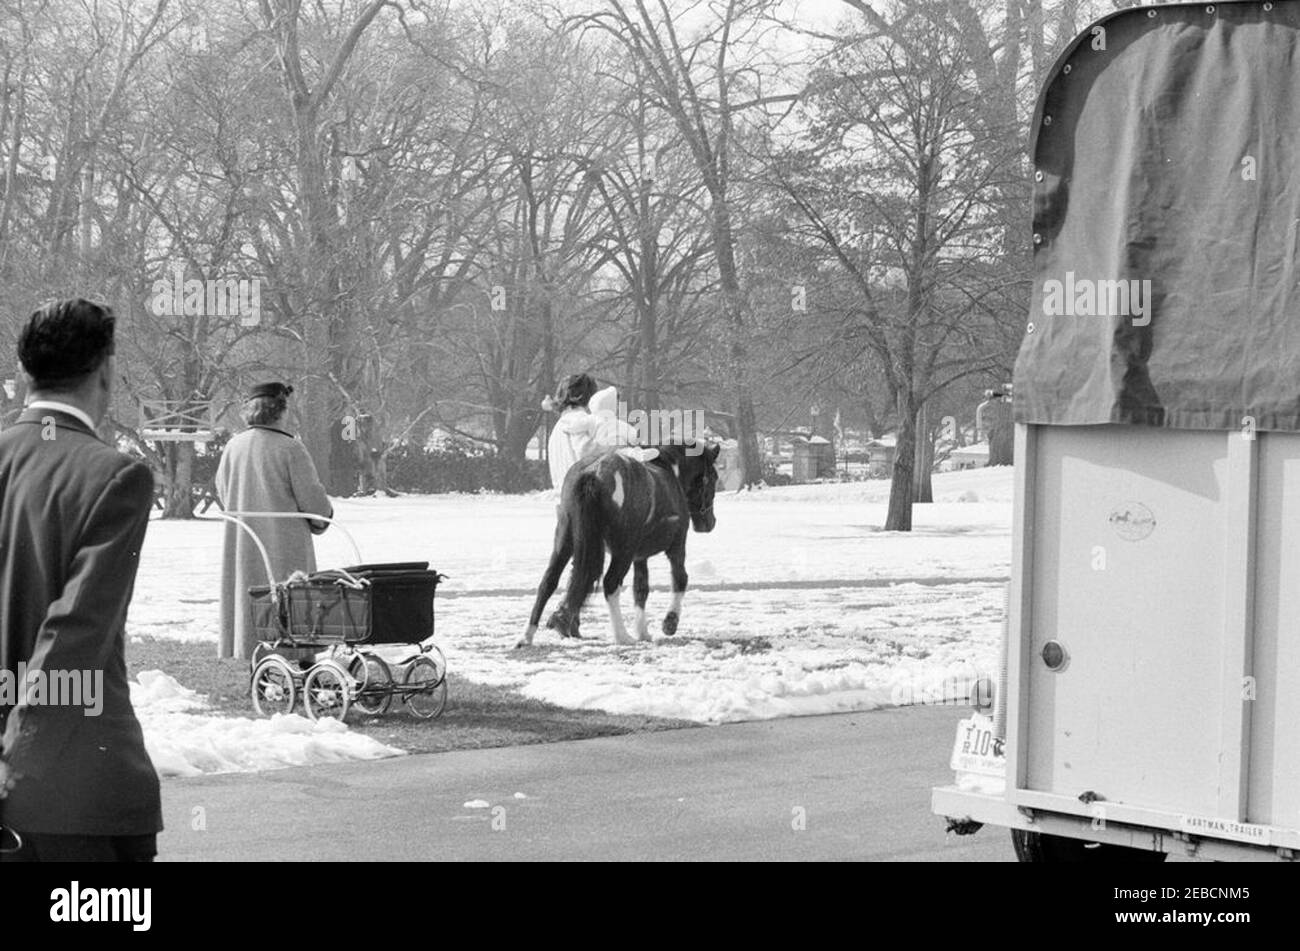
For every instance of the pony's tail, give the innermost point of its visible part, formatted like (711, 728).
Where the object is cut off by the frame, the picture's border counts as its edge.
(588, 542)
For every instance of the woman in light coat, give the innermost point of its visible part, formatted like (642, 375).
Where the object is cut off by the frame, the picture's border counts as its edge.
(264, 469)
(588, 423)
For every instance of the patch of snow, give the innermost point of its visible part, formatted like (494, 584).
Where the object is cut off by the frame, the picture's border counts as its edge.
(184, 740)
(748, 655)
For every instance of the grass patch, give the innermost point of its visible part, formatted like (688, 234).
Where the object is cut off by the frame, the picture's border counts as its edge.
(477, 716)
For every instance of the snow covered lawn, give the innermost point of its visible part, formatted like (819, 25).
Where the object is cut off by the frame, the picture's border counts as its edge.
(799, 604)
(750, 655)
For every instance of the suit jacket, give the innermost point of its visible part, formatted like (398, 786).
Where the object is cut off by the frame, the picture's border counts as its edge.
(73, 513)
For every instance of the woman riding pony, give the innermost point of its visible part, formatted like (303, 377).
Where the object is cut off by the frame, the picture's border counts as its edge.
(588, 423)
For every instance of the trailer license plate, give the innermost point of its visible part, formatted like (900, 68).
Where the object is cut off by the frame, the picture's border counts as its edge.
(977, 749)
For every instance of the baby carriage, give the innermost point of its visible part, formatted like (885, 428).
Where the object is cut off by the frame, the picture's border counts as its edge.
(318, 637)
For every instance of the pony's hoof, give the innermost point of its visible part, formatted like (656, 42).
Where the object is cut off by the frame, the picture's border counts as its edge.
(670, 624)
(562, 622)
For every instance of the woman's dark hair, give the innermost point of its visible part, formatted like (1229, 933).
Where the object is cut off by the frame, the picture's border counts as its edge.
(65, 341)
(577, 390)
(264, 410)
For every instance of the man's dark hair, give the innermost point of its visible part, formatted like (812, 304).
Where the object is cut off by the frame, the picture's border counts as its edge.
(65, 341)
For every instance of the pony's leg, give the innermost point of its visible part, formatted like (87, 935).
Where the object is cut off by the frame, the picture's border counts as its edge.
(677, 561)
(564, 620)
(618, 566)
(560, 556)
(567, 618)
(641, 591)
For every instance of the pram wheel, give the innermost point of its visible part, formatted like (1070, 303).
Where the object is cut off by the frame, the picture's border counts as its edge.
(273, 686)
(425, 687)
(374, 683)
(434, 653)
(327, 691)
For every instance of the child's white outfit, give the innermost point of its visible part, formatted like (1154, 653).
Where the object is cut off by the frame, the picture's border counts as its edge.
(597, 427)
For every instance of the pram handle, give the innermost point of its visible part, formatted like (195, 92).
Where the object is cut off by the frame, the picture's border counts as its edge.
(237, 516)
(308, 517)
(266, 558)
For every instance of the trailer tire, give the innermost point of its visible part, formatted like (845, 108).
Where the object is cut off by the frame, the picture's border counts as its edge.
(1040, 847)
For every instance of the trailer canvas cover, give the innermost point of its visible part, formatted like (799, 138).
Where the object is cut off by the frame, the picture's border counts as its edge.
(1166, 207)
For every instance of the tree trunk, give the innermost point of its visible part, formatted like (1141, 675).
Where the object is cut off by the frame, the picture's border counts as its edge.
(327, 332)
(381, 475)
(647, 370)
(1001, 432)
(320, 318)
(922, 488)
(340, 477)
(647, 305)
(178, 480)
(899, 516)
(371, 457)
(367, 470)
(318, 432)
(751, 467)
(372, 471)
(751, 464)
(873, 423)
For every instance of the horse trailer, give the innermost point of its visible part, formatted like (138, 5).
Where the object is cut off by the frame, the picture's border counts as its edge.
(1150, 695)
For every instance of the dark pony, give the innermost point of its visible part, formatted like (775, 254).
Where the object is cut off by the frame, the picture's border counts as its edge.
(635, 509)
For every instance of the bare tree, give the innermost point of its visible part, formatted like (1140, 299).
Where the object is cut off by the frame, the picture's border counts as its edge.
(897, 183)
(328, 326)
(697, 82)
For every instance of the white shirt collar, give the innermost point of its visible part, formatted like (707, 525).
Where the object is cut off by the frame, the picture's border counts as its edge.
(60, 407)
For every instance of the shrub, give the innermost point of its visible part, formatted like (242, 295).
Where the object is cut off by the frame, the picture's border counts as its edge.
(461, 467)
(773, 477)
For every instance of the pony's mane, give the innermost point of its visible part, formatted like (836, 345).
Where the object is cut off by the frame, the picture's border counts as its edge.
(672, 454)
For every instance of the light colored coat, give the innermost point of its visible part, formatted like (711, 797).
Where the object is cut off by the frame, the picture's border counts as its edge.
(264, 470)
(580, 431)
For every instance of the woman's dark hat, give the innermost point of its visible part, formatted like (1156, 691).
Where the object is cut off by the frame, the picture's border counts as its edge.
(273, 390)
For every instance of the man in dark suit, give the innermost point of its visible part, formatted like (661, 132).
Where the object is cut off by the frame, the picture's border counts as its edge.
(76, 784)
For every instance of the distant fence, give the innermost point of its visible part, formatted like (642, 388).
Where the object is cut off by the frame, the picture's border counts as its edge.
(175, 420)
